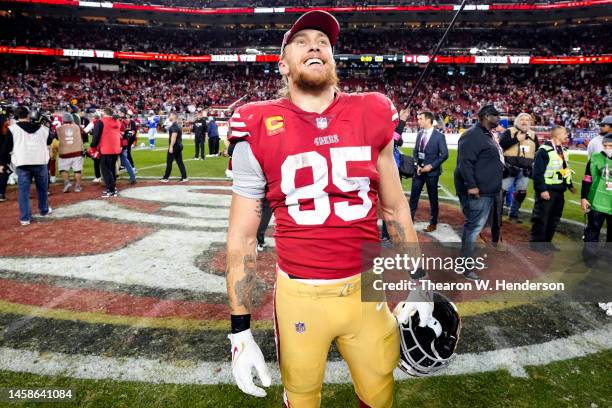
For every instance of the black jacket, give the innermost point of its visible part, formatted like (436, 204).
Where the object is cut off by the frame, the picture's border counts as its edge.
(435, 151)
(478, 162)
(539, 168)
(199, 127)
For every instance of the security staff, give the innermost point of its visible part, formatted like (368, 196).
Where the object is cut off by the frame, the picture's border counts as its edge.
(199, 131)
(520, 144)
(597, 198)
(552, 175)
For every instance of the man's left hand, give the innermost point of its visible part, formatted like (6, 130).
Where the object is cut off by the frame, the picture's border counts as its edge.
(572, 190)
(426, 169)
(170, 150)
(418, 301)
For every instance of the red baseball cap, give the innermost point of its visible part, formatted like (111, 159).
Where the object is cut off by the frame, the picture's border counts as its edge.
(316, 20)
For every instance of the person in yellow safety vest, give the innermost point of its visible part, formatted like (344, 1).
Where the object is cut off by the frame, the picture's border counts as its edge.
(552, 175)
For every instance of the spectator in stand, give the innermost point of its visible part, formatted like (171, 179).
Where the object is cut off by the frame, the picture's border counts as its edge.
(213, 137)
(107, 139)
(27, 142)
(70, 152)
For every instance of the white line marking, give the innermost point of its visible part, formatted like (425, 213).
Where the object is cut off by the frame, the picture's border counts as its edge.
(190, 372)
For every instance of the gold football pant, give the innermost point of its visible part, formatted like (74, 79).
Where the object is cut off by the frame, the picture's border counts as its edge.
(309, 317)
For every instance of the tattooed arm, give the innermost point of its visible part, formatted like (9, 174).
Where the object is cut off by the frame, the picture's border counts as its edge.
(393, 203)
(245, 214)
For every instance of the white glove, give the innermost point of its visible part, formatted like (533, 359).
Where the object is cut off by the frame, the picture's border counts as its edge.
(418, 301)
(246, 355)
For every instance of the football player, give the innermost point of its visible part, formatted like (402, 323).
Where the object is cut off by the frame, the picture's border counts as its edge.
(323, 159)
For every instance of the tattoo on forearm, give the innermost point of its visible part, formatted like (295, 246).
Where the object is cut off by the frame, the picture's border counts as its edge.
(259, 207)
(243, 289)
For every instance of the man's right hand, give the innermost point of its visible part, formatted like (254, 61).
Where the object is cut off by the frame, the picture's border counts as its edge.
(247, 355)
(474, 192)
(545, 195)
(584, 203)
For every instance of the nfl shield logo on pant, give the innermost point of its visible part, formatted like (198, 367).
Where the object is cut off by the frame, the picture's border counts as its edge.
(300, 327)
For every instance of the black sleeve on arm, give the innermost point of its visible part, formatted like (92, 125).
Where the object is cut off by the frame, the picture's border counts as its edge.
(539, 167)
(400, 127)
(6, 147)
(467, 156)
(97, 133)
(506, 140)
(587, 182)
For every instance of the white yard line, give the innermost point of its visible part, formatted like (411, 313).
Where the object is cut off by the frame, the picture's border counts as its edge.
(158, 371)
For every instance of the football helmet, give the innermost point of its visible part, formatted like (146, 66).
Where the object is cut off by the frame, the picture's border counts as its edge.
(426, 350)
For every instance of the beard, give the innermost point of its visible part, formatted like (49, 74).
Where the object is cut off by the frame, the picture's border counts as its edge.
(314, 82)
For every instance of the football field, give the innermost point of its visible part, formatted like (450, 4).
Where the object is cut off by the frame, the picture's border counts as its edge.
(123, 301)
(151, 164)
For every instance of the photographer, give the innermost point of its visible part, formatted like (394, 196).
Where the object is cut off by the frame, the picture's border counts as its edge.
(27, 143)
(520, 144)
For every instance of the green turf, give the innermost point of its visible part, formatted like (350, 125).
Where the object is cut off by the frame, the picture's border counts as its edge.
(580, 382)
(571, 210)
(151, 163)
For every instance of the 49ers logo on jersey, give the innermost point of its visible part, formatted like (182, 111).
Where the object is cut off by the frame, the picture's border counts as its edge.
(274, 125)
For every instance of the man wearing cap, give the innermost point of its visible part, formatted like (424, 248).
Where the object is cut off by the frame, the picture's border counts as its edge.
(323, 159)
(596, 144)
(70, 152)
(478, 178)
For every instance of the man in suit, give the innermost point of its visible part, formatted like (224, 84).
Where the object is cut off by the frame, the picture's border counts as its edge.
(429, 153)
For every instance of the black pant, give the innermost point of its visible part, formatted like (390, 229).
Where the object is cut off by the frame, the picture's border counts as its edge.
(177, 155)
(495, 216)
(97, 168)
(266, 214)
(432, 191)
(3, 182)
(107, 165)
(596, 221)
(545, 216)
(213, 145)
(199, 146)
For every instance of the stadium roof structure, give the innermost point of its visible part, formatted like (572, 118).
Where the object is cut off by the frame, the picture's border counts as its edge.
(532, 12)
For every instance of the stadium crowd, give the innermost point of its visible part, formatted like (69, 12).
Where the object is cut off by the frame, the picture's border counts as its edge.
(305, 3)
(565, 96)
(79, 34)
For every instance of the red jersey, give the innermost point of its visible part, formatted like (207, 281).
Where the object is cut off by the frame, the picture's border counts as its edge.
(322, 181)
